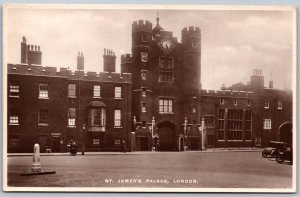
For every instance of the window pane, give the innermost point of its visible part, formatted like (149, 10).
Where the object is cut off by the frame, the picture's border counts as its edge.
(43, 91)
(72, 90)
(97, 91)
(43, 116)
(117, 116)
(118, 92)
(13, 90)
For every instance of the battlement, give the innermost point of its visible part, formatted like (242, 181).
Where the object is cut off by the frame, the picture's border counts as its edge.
(191, 32)
(24, 69)
(141, 25)
(227, 93)
(126, 58)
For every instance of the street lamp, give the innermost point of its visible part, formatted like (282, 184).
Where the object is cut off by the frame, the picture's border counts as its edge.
(83, 135)
(185, 128)
(202, 136)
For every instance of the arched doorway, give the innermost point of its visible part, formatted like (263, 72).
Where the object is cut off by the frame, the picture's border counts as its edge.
(166, 134)
(286, 134)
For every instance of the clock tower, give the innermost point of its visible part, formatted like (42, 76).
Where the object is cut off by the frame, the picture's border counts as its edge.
(166, 84)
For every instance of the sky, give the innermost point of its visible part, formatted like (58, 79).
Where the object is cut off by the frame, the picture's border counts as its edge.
(233, 42)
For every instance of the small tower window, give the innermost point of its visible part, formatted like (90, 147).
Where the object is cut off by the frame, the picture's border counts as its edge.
(195, 44)
(143, 107)
(267, 104)
(279, 105)
(222, 101)
(235, 102)
(144, 56)
(144, 38)
(248, 102)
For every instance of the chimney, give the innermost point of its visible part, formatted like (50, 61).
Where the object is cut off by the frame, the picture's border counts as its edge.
(109, 61)
(80, 61)
(271, 82)
(23, 51)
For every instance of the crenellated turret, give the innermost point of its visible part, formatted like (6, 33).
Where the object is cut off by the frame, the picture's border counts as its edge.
(141, 33)
(109, 61)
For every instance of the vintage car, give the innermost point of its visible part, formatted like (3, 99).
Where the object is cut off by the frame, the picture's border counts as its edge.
(273, 148)
(284, 155)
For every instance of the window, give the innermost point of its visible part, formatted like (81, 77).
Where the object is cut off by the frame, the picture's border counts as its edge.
(117, 118)
(221, 100)
(118, 92)
(97, 118)
(195, 43)
(72, 90)
(166, 62)
(279, 105)
(144, 38)
(267, 123)
(248, 125)
(194, 110)
(72, 117)
(235, 102)
(43, 90)
(143, 107)
(14, 90)
(97, 90)
(144, 75)
(43, 117)
(96, 141)
(13, 117)
(234, 124)
(248, 102)
(117, 141)
(144, 56)
(221, 122)
(13, 141)
(166, 77)
(209, 121)
(267, 104)
(165, 105)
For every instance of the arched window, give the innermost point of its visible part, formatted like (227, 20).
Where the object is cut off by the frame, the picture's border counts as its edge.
(96, 116)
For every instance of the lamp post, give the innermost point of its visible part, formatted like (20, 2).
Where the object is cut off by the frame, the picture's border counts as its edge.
(185, 128)
(83, 137)
(202, 136)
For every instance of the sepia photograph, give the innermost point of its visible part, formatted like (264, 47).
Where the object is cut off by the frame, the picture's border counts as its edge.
(149, 98)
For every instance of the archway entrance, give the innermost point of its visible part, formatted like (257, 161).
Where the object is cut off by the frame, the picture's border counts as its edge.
(286, 134)
(166, 133)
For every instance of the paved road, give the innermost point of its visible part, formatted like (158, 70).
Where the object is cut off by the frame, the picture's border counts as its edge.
(161, 169)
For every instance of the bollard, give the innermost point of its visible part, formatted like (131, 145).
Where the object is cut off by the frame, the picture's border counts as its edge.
(36, 165)
(36, 168)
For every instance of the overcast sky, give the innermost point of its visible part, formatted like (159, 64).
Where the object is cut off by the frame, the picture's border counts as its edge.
(233, 41)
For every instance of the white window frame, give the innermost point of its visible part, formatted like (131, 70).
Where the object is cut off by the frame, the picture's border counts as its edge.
(117, 142)
(144, 57)
(267, 124)
(118, 118)
(143, 105)
(71, 95)
(267, 104)
(222, 101)
(14, 90)
(14, 119)
(39, 117)
(279, 105)
(97, 91)
(43, 93)
(118, 92)
(166, 105)
(71, 121)
(248, 102)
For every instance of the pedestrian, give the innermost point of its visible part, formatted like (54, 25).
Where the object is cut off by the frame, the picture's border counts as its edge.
(157, 145)
(73, 148)
(124, 146)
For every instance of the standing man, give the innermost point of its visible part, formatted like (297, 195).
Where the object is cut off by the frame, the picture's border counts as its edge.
(124, 146)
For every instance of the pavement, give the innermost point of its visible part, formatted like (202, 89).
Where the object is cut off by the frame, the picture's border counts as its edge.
(240, 149)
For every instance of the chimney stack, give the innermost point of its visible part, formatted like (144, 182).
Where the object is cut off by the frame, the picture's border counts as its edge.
(109, 61)
(80, 61)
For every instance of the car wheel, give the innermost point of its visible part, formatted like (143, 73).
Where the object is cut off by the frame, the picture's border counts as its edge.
(274, 153)
(280, 158)
(264, 154)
